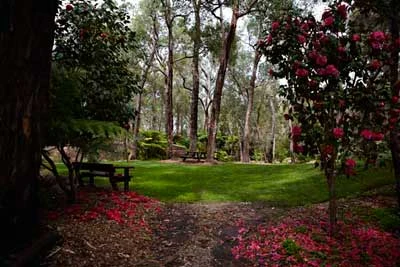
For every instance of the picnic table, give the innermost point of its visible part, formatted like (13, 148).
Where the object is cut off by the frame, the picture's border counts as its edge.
(198, 155)
(91, 170)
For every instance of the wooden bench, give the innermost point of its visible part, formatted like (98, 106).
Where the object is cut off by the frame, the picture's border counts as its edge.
(85, 169)
(194, 155)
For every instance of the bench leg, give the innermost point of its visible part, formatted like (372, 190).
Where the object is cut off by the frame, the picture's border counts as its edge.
(91, 180)
(126, 185)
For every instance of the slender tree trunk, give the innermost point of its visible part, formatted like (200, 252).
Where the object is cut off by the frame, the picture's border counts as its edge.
(394, 142)
(331, 180)
(271, 147)
(26, 40)
(223, 63)
(291, 144)
(245, 157)
(169, 119)
(194, 105)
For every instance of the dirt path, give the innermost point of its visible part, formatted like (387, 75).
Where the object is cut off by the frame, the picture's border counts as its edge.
(177, 235)
(203, 234)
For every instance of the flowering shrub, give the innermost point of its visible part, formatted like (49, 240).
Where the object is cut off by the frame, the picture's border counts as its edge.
(125, 208)
(304, 242)
(338, 85)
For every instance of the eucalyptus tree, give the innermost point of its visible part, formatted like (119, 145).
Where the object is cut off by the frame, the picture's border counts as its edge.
(145, 25)
(228, 36)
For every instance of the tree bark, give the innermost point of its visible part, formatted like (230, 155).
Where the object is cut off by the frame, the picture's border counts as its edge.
(223, 63)
(194, 105)
(394, 142)
(245, 155)
(169, 119)
(25, 60)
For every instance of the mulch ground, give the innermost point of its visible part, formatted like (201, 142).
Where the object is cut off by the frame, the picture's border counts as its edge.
(117, 229)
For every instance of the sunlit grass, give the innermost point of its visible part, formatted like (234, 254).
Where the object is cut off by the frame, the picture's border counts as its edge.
(283, 185)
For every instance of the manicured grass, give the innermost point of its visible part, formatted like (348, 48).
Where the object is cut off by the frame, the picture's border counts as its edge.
(280, 185)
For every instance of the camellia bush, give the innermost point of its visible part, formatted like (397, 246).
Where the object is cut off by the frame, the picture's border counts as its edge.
(338, 87)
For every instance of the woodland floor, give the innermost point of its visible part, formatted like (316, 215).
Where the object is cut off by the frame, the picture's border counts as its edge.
(161, 234)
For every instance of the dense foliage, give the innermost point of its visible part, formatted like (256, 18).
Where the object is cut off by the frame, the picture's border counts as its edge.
(94, 37)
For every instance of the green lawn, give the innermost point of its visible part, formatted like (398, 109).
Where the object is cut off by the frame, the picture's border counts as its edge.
(281, 185)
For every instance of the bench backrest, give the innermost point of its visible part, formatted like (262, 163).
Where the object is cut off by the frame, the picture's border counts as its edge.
(93, 166)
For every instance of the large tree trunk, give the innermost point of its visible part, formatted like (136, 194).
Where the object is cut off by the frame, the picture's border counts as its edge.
(223, 63)
(194, 105)
(26, 41)
(245, 155)
(395, 83)
(169, 119)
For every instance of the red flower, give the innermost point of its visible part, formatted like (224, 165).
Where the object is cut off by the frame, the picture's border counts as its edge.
(356, 38)
(69, 7)
(350, 163)
(301, 72)
(329, 21)
(298, 148)
(375, 64)
(341, 49)
(103, 35)
(296, 130)
(313, 54)
(312, 83)
(338, 133)
(321, 60)
(275, 25)
(305, 27)
(392, 120)
(271, 72)
(395, 99)
(331, 70)
(301, 39)
(342, 10)
(328, 150)
(268, 40)
(378, 136)
(366, 134)
(377, 36)
(342, 103)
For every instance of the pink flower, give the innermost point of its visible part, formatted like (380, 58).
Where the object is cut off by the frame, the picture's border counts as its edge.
(329, 21)
(321, 60)
(375, 64)
(338, 133)
(296, 130)
(342, 10)
(366, 134)
(331, 70)
(395, 99)
(300, 72)
(275, 25)
(356, 38)
(301, 39)
(69, 7)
